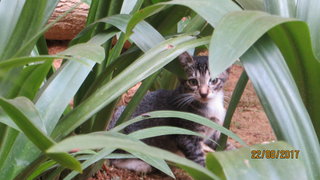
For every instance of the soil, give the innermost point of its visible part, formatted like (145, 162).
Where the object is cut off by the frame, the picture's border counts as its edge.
(249, 123)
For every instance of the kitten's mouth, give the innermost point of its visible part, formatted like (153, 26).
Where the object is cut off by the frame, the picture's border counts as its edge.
(203, 100)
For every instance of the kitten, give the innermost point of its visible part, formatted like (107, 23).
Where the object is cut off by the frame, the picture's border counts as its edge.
(199, 94)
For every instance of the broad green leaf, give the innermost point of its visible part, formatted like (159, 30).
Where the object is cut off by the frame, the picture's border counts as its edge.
(239, 164)
(160, 56)
(32, 83)
(225, 39)
(34, 36)
(145, 36)
(57, 92)
(211, 10)
(100, 141)
(130, 6)
(295, 47)
(291, 36)
(26, 110)
(85, 51)
(7, 121)
(157, 163)
(182, 115)
(31, 130)
(166, 21)
(308, 12)
(286, 8)
(161, 131)
(41, 169)
(51, 102)
(93, 159)
(19, 25)
(9, 16)
(252, 4)
(282, 103)
(102, 37)
(8, 136)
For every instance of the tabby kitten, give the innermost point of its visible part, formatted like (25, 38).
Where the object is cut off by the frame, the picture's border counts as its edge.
(199, 94)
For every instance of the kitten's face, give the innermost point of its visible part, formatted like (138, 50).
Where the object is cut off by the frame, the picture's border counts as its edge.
(199, 83)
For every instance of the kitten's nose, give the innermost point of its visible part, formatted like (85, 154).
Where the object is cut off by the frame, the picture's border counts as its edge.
(203, 95)
(203, 91)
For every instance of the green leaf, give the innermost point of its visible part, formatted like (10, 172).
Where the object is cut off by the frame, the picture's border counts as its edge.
(295, 47)
(41, 169)
(145, 36)
(211, 10)
(281, 101)
(239, 164)
(31, 130)
(182, 115)
(22, 111)
(102, 37)
(291, 36)
(161, 131)
(25, 48)
(252, 5)
(225, 39)
(100, 141)
(101, 154)
(130, 6)
(51, 102)
(308, 12)
(19, 25)
(282, 8)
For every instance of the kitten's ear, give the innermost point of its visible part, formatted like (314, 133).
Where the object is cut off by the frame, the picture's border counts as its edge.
(228, 70)
(186, 60)
(225, 74)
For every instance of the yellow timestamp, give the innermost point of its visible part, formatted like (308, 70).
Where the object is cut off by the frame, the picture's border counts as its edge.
(275, 154)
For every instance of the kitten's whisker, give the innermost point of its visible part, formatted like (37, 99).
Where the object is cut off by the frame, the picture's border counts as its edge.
(180, 101)
(188, 101)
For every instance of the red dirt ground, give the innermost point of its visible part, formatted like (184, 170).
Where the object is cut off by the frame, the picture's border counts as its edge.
(249, 123)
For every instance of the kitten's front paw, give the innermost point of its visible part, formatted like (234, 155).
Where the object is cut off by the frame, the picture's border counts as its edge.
(200, 161)
(132, 164)
(230, 147)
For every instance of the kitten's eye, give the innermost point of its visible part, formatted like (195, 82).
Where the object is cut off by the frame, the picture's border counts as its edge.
(215, 81)
(193, 82)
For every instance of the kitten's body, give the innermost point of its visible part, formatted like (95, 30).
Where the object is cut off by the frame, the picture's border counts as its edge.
(205, 99)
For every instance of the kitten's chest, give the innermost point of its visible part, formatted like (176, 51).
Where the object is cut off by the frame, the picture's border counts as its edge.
(214, 111)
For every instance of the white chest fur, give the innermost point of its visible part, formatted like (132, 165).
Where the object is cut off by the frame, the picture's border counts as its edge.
(216, 108)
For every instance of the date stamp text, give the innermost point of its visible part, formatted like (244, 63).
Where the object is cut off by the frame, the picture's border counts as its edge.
(275, 154)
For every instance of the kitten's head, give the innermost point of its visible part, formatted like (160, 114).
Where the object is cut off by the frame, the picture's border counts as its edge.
(199, 84)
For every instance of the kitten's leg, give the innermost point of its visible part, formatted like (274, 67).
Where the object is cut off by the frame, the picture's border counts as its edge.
(191, 148)
(132, 164)
(213, 144)
(213, 141)
(215, 137)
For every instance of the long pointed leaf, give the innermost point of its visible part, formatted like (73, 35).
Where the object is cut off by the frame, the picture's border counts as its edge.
(99, 141)
(37, 136)
(281, 101)
(308, 12)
